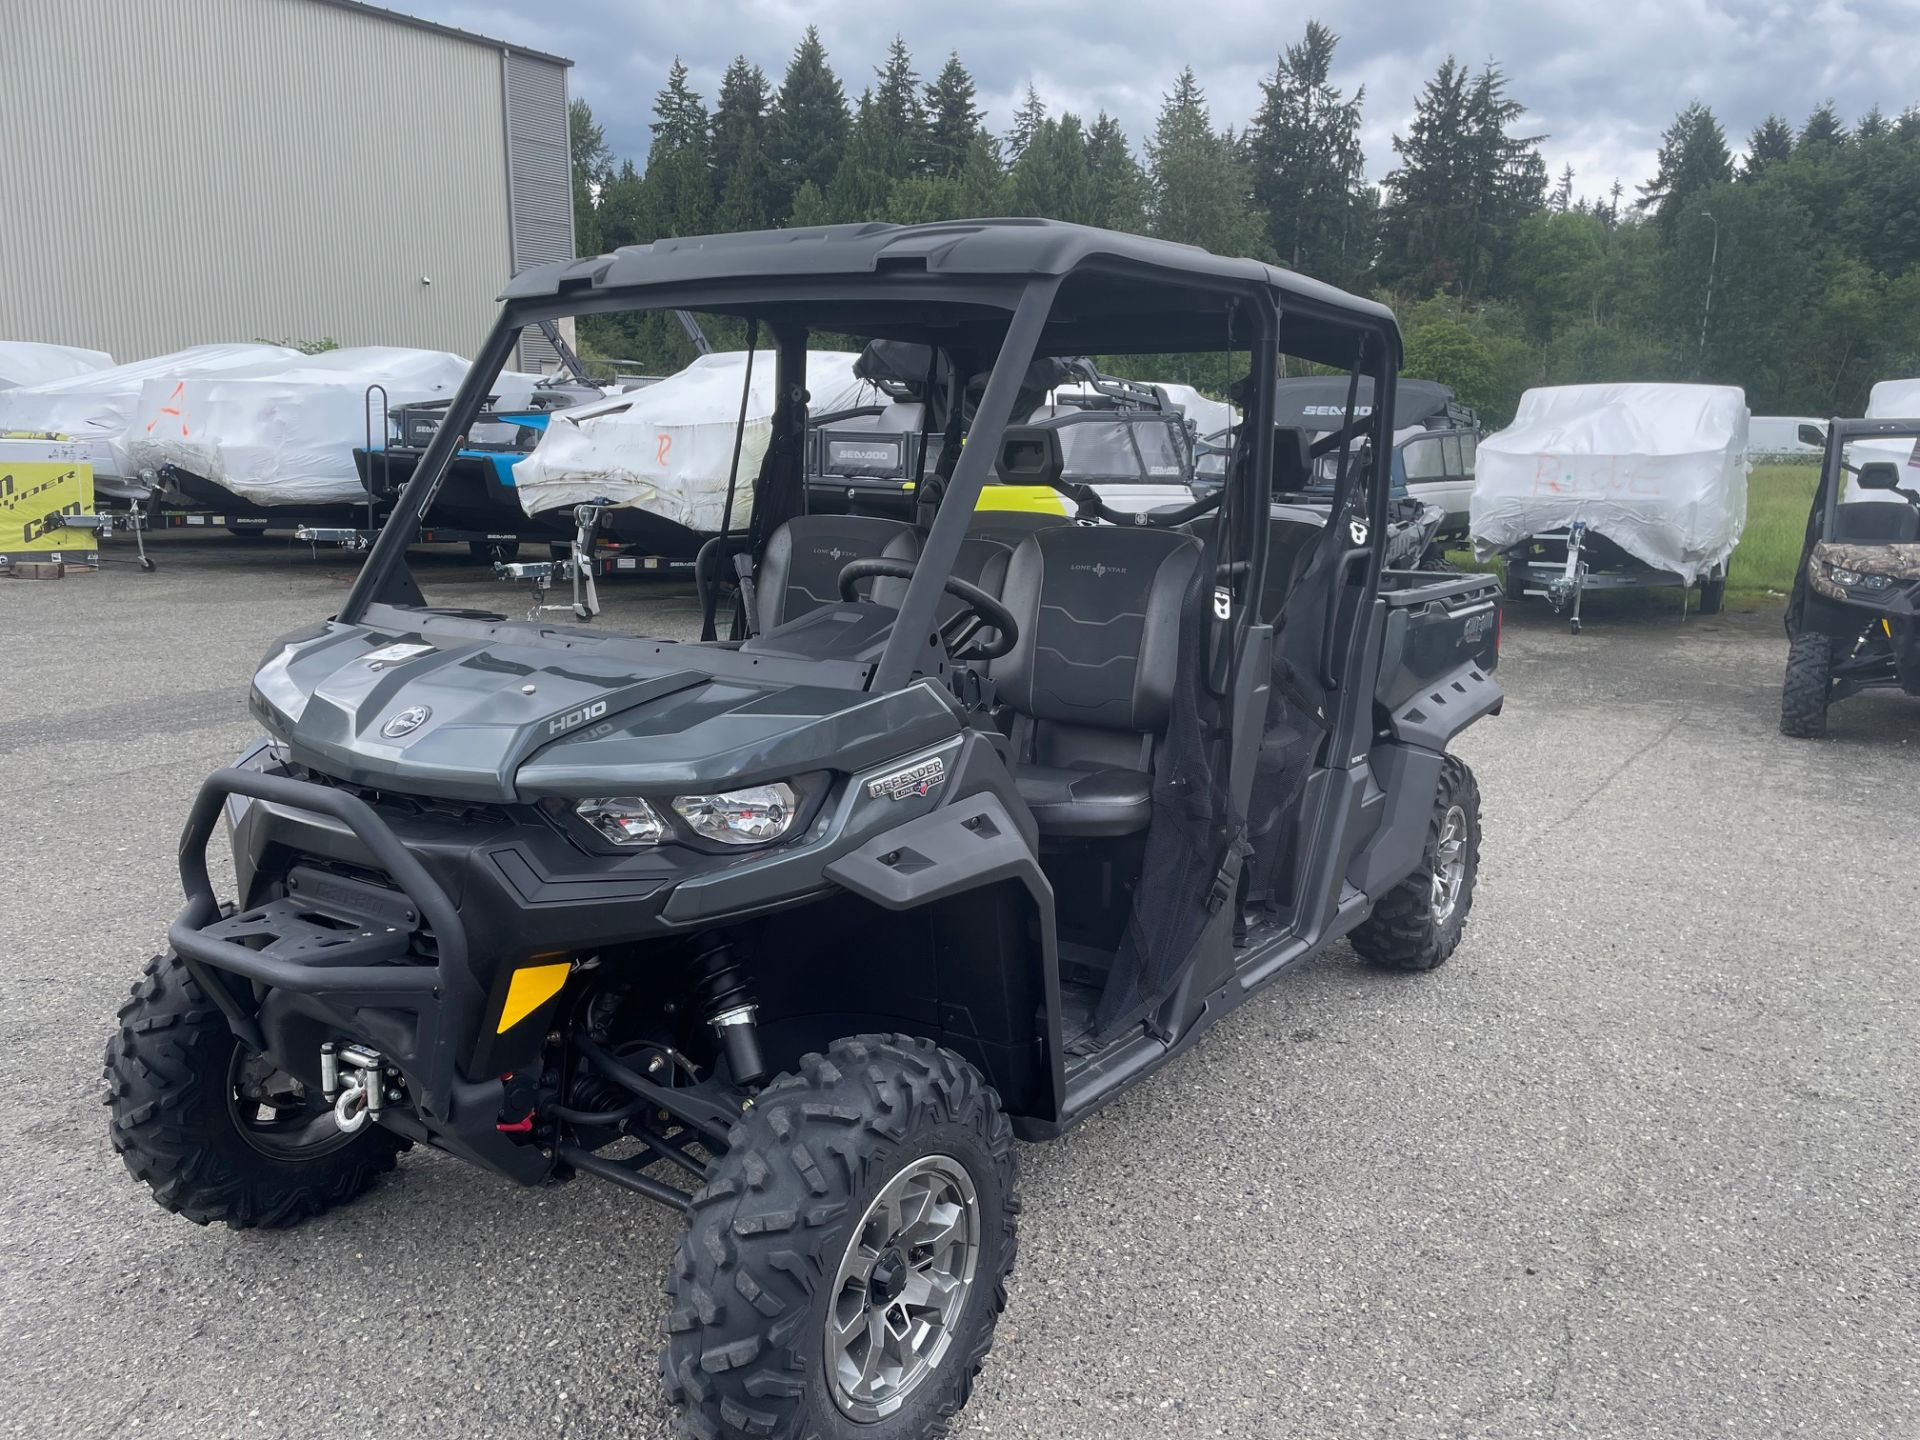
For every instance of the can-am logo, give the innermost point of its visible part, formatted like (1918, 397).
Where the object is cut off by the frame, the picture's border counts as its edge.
(406, 722)
(573, 719)
(1100, 569)
(929, 774)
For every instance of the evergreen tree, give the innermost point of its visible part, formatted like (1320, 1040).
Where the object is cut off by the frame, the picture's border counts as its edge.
(1822, 132)
(953, 119)
(1051, 179)
(1026, 120)
(1463, 185)
(1197, 184)
(896, 100)
(1873, 125)
(810, 125)
(1561, 201)
(1693, 158)
(1309, 175)
(871, 163)
(1116, 187)
(679, 186)
(809, 207)
(1770, 143)
(592, 169)
(621, 214)
(737, 149)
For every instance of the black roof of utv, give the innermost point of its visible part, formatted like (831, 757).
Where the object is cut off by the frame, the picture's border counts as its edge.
(1122, 292)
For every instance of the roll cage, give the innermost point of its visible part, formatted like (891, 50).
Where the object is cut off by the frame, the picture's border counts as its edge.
(992, 296)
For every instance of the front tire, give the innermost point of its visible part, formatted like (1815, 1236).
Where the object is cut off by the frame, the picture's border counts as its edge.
(1417, 924)
(216, 1133)
(1808, 683)
(841, 1272)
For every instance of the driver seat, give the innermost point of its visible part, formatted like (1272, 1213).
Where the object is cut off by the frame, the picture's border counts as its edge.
(1090, 678)
(800, 570)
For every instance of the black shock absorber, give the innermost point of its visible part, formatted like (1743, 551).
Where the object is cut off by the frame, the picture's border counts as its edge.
(728, 1004)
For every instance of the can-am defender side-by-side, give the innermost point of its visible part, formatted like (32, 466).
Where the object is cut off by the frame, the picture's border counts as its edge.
(815, 921)
(1851, 624)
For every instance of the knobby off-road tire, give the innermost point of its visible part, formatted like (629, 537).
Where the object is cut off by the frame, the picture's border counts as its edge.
(1809, 681)
(1438, 564)
(170, 1075)
(754, 1278)
(1411, 928)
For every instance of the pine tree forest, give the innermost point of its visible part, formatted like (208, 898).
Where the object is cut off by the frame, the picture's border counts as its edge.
(1788, 264)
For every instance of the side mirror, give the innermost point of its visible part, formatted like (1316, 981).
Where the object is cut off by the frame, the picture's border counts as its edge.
(1031, 455)
(1813, 435)
(1878, 475)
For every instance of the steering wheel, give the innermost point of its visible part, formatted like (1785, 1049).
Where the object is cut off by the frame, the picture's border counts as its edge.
(1092, 507)
(960, 634)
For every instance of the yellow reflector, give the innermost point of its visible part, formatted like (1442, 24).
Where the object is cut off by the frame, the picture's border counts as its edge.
(530, 988)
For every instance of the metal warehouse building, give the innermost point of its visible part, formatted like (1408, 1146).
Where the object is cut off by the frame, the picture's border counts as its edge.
(181, 171)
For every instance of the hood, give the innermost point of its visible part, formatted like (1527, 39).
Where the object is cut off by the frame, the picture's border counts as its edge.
(529, 711)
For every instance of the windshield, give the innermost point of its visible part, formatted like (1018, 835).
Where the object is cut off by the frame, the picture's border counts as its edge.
(1136, 447)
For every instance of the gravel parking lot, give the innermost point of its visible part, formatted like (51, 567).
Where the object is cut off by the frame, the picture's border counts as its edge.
(1642, 1160)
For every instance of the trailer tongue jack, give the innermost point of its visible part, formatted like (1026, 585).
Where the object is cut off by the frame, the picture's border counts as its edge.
(578, 564)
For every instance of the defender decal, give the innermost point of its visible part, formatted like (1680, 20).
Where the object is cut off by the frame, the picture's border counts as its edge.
(917, 779)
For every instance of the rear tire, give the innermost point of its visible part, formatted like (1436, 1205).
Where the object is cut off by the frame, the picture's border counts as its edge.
(1437, 563)
(1417, 924)
(772, 1252)
(171, 1072)
(1808, 683)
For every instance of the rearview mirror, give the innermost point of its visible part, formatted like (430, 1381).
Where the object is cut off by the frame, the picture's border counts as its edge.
(1878, 475)
(1031, 455)
(1813, 435)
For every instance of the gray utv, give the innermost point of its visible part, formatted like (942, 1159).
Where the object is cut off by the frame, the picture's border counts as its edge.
(976, 821)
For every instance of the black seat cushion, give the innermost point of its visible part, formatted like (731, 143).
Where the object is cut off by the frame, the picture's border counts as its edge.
(1091, 675)
(800, 570)
(1100, 802)
(981, 561)
(1099, 613)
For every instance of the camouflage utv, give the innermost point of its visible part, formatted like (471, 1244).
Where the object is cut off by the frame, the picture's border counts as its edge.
(1851, 623)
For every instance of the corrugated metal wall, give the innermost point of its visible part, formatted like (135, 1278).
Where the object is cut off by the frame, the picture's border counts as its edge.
(180, 171)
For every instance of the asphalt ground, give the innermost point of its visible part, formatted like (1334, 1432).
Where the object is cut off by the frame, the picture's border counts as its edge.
(1643, 1160)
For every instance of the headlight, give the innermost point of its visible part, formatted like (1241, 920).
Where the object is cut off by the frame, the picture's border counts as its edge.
(1859, 579)
(741, 817)
(625, 820)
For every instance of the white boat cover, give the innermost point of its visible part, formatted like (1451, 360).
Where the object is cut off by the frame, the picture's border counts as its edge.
(287, 437)
(28, 362)
(1660, 470)
(97, 409)
(668, 449)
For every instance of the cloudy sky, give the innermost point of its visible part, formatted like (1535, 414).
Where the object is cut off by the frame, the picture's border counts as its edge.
(1600, 79)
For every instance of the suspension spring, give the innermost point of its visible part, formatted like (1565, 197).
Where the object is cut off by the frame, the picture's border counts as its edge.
(727, 1003)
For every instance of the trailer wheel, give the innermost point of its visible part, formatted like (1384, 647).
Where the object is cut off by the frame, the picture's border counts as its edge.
(1417, 924)
(1808, 683)
(217, 1133)
(490, 552)
(1713, 592)
(841, 1272)
(1436, 562)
